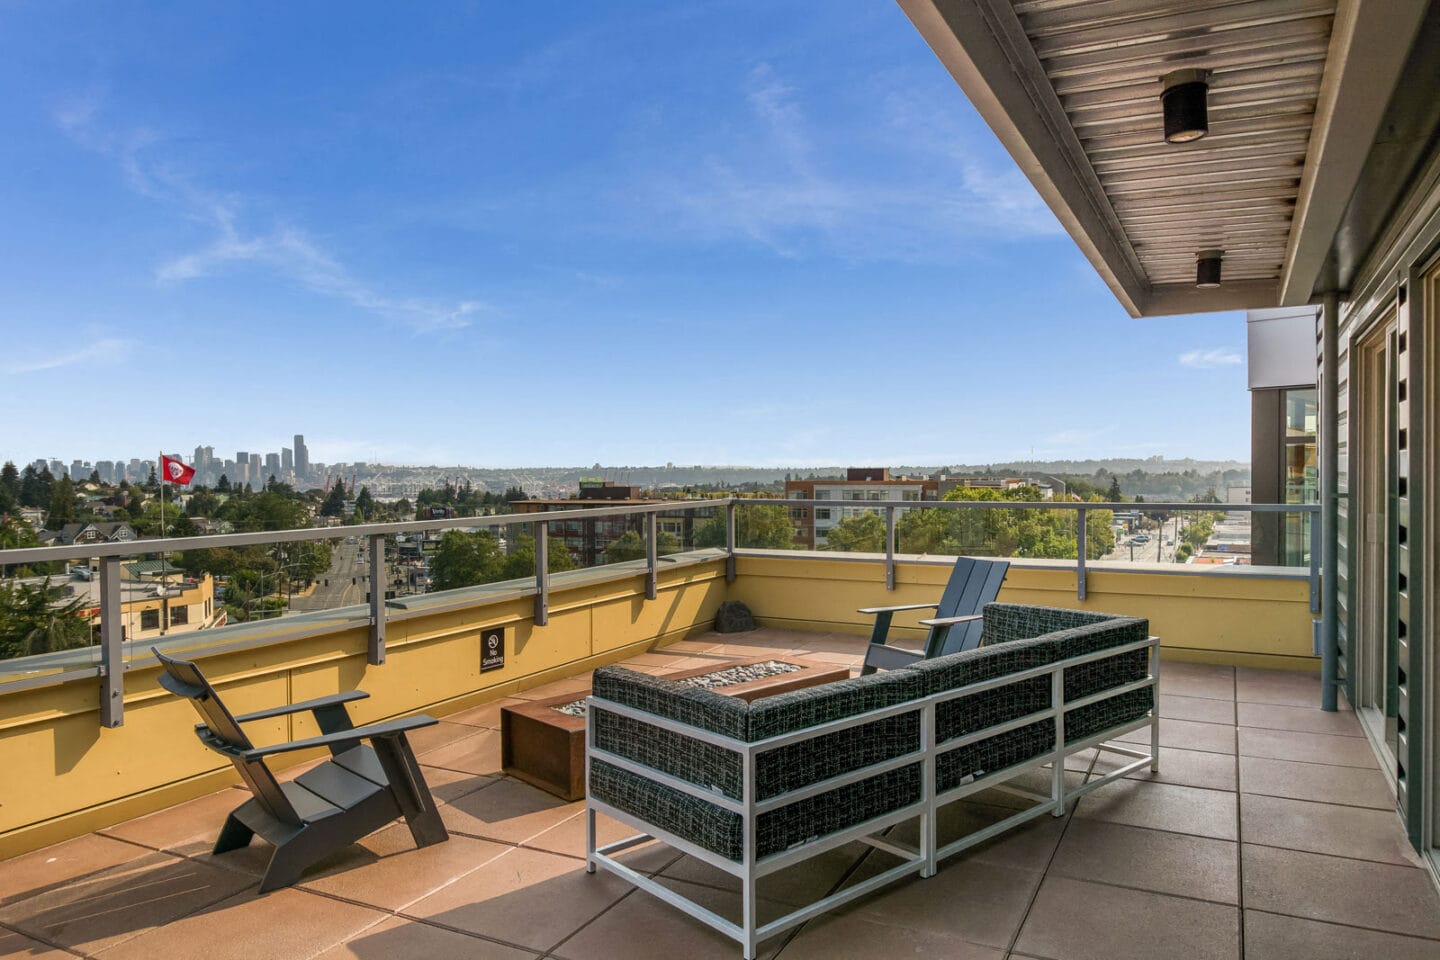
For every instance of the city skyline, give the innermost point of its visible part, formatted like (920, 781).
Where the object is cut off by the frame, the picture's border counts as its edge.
(772, 239)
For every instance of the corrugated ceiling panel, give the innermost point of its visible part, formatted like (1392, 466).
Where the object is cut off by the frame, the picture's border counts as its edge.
(1235, 189)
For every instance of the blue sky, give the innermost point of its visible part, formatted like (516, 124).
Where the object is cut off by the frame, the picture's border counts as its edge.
(508, 234)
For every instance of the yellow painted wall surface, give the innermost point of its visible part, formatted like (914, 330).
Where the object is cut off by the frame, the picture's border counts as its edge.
(1239, 618)
(65, 775)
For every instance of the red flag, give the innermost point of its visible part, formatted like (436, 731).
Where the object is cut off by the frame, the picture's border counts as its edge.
(174, 471)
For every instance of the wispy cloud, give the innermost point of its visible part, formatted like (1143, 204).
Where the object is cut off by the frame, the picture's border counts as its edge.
(1210, 359)
(283, 249)
(775, 179)
(105, 350)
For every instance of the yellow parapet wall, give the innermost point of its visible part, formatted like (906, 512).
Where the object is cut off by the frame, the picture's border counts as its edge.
(66, 775)
(1240, 616)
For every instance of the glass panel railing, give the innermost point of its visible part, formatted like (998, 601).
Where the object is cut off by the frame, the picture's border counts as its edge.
(246, 586)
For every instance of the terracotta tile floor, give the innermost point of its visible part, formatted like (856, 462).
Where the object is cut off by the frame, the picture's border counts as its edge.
(1267, 834)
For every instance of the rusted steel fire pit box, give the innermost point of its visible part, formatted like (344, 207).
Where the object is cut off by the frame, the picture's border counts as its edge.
(543, 745)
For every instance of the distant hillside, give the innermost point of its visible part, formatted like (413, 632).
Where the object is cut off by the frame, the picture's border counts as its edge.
(1150, 477)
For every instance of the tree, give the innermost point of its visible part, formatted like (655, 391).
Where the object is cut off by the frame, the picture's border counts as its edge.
(756, 527)
(364, 503)
(39, 619)
(202, 503)
(95, 477)
(861, 534)
(521, 561)
(36, 486)
(10, 480)
(223, 484)
(264, 511)
(152, 482)
(1113, 495)
(62, 503)
(8, 500)
(466, 559)
(631, 546)
(1003, 532)
(334, 505)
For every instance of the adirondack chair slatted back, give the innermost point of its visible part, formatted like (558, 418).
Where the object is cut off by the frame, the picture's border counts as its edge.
(973, 583)
(184, 679)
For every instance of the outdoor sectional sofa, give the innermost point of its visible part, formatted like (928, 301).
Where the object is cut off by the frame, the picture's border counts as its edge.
(752, 788)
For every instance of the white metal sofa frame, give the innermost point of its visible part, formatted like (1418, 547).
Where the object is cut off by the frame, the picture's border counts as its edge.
(923, 860)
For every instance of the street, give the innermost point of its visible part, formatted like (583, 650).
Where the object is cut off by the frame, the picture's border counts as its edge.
(344, 584)
(1159, 549)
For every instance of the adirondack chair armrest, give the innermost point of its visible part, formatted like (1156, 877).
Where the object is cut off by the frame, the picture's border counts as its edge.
(369, 732)
(949, 621)
(903, 606)
(319, 703)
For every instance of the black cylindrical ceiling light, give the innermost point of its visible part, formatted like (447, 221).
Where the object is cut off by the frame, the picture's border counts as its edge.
(1207, 268)
(1183, 99)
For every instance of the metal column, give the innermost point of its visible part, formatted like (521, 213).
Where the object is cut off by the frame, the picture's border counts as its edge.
(542, 574)
(1329, 502)
(376, 654)
(112, 645)
(889, 548)
(651, 555)
(730, 542)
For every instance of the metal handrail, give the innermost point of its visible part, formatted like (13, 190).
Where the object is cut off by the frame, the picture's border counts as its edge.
(111, 668)
(261, 537)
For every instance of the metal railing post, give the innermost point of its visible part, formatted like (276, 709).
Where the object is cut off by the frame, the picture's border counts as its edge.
(1309, 521)
(889, 548)
(376, 654)
(1080, 545)
(112, 646)
(542, 574)
(730, 541)
(651, 551)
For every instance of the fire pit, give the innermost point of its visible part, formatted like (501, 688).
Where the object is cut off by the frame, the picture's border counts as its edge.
(543, 742)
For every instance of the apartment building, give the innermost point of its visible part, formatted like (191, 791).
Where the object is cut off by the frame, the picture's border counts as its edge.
(861, 485)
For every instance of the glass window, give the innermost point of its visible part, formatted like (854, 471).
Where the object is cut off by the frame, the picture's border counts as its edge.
(1302, 476)
(149, 619)
(1301, 412)
(179, 614)
(822, 513)
(821, 495)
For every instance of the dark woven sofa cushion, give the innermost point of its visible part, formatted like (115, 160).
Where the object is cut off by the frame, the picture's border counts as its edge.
(1004, 622)
(1105, 714)
(800, 764)
(993, 754)
(963, 715)
(680, 756)
(1020, 638)
(712, 827)
(835, 810)
(720, 831)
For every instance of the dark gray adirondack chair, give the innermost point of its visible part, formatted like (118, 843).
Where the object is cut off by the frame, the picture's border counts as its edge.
(359, 790)
(957, 621)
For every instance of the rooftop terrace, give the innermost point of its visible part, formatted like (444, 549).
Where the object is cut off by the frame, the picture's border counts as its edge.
(1269, 833)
